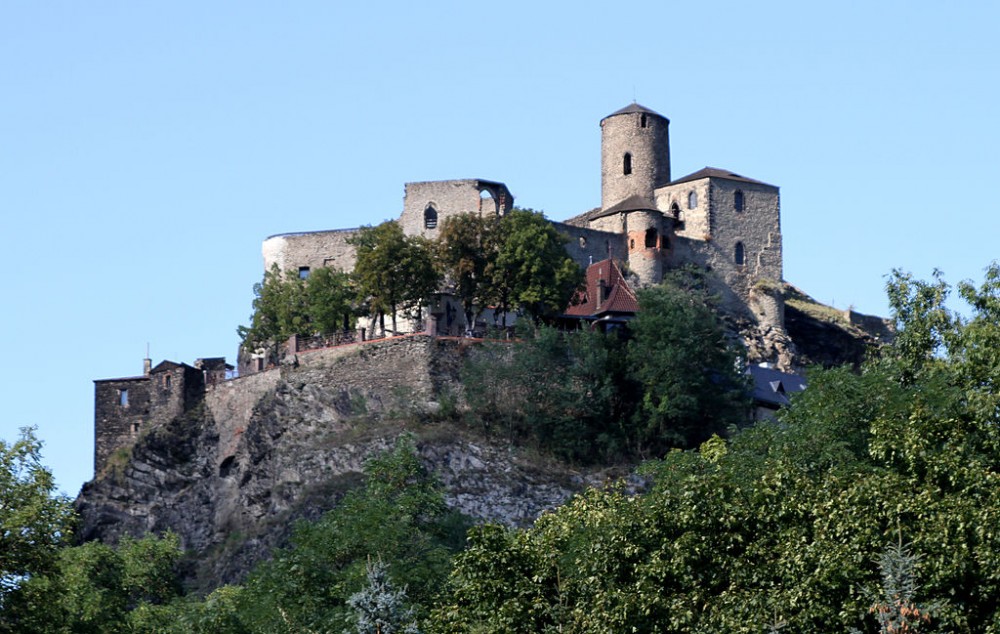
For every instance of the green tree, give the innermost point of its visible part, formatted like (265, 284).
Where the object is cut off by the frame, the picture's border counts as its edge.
(393, 271)
(563, 392)
(330, 300)
(34, 522)
(102, 589)
(280, 310)
(690, 373)
(398, 516)
(467, 248)
(531, 271)
(785, 522)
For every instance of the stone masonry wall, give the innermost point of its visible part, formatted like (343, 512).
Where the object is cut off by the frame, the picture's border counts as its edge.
(757, 228)
(587, 246)
(232, 402)
(152, 400)
(649, 149)
(451, 198)
(696, 222)
(312, 249)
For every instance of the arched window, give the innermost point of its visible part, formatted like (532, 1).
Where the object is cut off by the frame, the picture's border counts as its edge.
(627, 164)
(650, 238)
(642, 121)
(738, 200)
(675, 211)
(692, 199)
(739, 255)
(430, 218)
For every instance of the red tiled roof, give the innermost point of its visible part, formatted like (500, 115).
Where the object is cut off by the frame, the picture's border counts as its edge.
(620, 297)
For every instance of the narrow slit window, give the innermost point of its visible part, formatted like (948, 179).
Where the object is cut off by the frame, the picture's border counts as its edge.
(642, 121)
(123, 397)
(166, 381)
(627, 167)
(739, 255)
(738, 200)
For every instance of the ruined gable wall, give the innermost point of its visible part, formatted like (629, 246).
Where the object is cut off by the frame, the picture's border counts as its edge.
(449, 198)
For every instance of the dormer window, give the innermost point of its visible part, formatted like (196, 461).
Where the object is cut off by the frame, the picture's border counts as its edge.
(627, 167)
(430, 218)
(692, 199)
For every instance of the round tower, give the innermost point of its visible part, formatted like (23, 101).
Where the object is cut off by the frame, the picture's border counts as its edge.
(635, 154)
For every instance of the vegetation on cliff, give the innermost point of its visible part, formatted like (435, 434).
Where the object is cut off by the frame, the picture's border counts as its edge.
(794, 526)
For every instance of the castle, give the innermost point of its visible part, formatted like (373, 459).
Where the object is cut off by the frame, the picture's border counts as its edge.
(717, 220)
(724, 223)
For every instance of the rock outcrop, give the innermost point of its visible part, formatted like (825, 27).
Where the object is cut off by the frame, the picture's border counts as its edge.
(231, 475)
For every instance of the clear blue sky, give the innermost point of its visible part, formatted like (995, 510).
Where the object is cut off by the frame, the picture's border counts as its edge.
(146, 149)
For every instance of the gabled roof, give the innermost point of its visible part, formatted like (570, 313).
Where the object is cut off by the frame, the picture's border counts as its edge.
(772, 387)
(714, 172)
(166, 365)
(620, 296)
(634, 107)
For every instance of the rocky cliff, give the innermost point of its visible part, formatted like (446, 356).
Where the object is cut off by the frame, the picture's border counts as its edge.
(232, 474)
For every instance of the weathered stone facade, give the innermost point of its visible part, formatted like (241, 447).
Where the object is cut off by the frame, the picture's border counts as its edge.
(720, 221)
(125, 407)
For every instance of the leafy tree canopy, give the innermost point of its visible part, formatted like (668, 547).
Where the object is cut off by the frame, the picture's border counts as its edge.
(34, 522)
(532, 271)
(784, 525)
(393, 271)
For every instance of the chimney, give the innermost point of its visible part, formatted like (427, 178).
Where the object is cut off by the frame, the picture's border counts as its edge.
(147, 365)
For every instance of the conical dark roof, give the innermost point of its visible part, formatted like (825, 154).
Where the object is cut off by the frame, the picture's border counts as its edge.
(634, 107)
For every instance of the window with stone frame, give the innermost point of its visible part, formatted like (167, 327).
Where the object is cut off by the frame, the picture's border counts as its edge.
(692, 199)
(123, 397)
(430, 218)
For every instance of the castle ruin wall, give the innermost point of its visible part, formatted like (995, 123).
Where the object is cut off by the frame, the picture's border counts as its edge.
(314, 249)
(450, 198)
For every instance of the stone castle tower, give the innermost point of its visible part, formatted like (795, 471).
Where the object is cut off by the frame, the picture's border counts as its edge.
(635, 154)
(715, 219)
